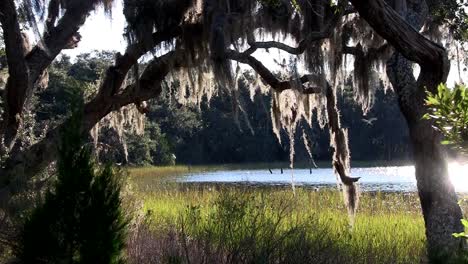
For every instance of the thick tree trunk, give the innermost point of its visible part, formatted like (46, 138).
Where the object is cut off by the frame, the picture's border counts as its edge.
(439, 205)
(18, 71)
(441, 211)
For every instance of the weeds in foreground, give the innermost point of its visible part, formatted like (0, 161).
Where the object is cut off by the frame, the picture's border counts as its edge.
(246, 225)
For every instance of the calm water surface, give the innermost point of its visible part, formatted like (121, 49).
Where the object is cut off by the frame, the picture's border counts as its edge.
(372, 179)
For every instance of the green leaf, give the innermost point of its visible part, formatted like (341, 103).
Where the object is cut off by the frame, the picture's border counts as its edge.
(446, 142)
(441, 88)
(430, 101)
(464, 223)
(458, 235)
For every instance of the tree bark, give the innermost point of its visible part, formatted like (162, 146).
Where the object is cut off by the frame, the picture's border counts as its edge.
(438, 199)
(439, 205)
(18, 71)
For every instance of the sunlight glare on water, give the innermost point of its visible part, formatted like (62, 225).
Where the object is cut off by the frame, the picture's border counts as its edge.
(393, 178)
(458, 174)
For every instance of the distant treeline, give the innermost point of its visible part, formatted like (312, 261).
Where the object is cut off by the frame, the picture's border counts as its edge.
(212, 136)
(209, 134)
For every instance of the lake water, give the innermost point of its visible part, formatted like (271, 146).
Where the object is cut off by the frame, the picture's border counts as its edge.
(390, 179)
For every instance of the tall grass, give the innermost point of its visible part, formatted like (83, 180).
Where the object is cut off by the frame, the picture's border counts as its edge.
(150, 178)
(198, 223)
(238, 225)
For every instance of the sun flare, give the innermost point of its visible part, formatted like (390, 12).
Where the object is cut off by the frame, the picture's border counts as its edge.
(459, 176)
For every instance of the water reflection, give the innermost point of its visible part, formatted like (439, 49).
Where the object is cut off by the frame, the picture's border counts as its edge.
(398, 178)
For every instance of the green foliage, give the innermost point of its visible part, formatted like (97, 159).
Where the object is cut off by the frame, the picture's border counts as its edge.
(151, 148)
(453, 14)
(89, 67)
(81, 220)
(448, 108)
(62, 91)
(462, 234)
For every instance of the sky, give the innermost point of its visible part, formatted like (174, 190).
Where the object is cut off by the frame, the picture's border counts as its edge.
(101, 32)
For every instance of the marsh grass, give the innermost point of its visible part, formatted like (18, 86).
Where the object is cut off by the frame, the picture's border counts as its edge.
(239, 225)
(191, 223)
(151, 178)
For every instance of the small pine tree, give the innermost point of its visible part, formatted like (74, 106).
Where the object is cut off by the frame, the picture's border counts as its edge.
(81, 220)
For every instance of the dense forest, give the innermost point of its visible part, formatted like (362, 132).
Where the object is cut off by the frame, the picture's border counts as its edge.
(210, 133)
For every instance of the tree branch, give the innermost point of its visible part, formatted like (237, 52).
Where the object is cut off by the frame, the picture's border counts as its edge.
(17, 83)
(277, 45)
(52, 14)
(26, 71)
(406, 40)
(55, 39)
(148, 87)
(59, 37)
(311, 37)
(133, 52)
(149, 84)
(372, 53)
(268, 76)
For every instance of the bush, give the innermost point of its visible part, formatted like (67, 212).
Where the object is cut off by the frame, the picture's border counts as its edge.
(81, 220)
